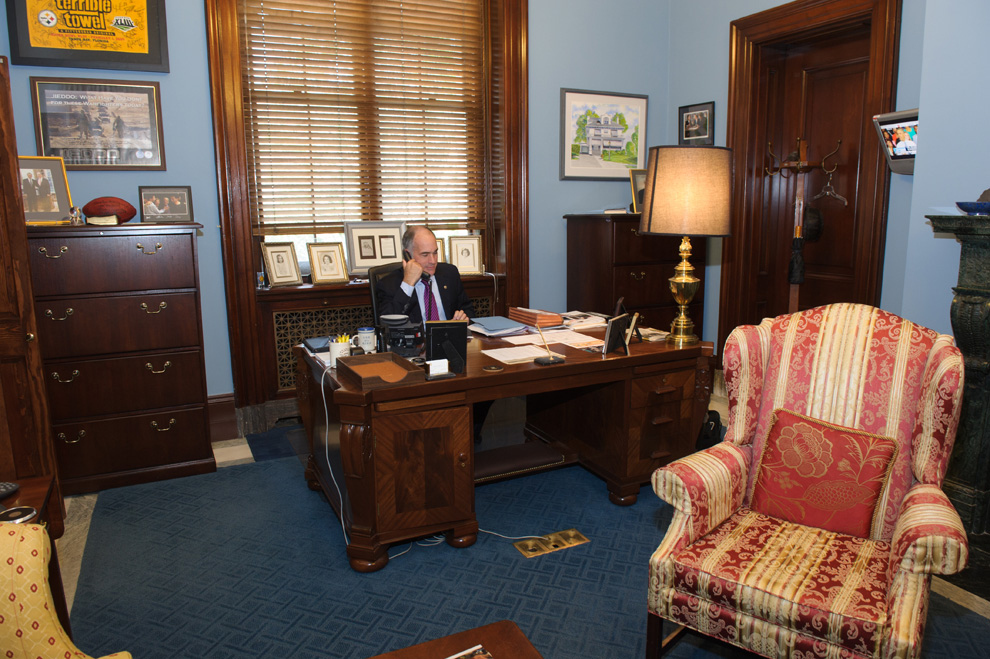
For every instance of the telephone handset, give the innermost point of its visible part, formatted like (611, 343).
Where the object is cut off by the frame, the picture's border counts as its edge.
(406, 256)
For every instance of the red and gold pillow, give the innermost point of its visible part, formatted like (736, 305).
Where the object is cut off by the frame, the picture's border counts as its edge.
(822, 475)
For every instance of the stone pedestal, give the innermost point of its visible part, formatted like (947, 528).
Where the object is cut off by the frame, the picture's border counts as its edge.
(967, 482)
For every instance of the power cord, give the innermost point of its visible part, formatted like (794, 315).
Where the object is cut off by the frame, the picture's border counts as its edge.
(326, 446)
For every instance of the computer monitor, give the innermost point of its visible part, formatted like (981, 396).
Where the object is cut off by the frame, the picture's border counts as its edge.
(898, 134)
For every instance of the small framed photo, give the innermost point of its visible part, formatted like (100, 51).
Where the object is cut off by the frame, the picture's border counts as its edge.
(326, 263)
(696, 124)
(465, 254)
(637, 181)
(281, 264)
(602, 134)
(99, 124)
(441, 250)
(45, 190)
(372, 243)
(166, 204)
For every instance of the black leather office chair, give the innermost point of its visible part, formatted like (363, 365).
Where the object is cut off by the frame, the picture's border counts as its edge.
(375, 275)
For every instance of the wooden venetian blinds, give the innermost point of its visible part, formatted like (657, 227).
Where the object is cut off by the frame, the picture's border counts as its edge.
(367, 110)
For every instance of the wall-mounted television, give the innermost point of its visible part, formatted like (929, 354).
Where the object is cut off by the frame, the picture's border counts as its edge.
(898, 133)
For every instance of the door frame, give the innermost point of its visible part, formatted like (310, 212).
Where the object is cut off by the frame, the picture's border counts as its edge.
(797, 22)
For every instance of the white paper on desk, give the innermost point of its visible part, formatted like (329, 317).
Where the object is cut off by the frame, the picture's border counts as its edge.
(566, 337)
(517, 354)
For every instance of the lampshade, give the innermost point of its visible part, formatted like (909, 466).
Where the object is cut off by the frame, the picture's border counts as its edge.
(688, 191)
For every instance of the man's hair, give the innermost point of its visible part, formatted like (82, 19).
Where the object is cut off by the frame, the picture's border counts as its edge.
(410, 236)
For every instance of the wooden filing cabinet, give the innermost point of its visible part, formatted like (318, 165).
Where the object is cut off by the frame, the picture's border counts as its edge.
(118, 311)
(607, 258)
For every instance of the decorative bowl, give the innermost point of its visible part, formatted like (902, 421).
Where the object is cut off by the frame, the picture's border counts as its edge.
(974, 207)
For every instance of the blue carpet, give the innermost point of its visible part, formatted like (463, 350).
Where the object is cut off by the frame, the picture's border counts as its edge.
(248, 562)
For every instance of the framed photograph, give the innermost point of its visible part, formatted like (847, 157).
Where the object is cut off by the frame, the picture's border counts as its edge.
(696, 124)
(99, 124)
(326, 263)
(637, 181)
(94, 35)
(441, 250)
(372, 243)
(166, 204)
(45, 190)
(465, 254)
(281, 264)
(602, 134)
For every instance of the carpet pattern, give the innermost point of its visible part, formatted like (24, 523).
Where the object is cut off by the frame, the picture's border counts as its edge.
(248, 562)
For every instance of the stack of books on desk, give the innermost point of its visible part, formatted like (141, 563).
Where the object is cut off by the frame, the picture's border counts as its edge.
(535, 317)
(577, 320)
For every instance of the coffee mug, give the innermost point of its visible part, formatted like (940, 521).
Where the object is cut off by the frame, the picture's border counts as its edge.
(339, 350)
(365, 339)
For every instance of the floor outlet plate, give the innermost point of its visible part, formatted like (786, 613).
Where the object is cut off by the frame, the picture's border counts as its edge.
(549, 543)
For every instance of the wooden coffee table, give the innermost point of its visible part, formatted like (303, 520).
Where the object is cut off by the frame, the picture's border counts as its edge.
(504, 640)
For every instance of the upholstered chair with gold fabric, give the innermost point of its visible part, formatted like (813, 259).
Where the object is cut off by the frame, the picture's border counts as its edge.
(814, 529)
(29, 628)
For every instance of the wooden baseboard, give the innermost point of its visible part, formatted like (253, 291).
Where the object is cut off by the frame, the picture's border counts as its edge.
(223, 417)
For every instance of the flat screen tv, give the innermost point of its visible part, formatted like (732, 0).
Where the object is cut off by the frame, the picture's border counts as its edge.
(898, 133)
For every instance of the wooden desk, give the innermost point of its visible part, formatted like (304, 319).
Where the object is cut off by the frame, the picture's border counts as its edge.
(404, 457)
(501, 639)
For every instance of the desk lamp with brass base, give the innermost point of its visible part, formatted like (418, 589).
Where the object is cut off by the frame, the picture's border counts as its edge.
(688, 192)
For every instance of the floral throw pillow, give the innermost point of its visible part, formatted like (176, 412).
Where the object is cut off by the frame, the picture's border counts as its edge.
(822, 475)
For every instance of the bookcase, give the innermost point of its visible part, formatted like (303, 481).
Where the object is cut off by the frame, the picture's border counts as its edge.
(607, 258)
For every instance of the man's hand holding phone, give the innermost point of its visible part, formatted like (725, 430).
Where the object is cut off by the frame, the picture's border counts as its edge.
(411, 270)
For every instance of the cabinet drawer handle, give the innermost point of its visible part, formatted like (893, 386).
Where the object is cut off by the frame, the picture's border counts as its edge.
(51, 314)
(661, 420)
(641, 277)
(634, 232)
(152, 368)
(75, 374)
(144, 307)
(660, 391)
(61, 250)
(158, 246)
(171, 422)
(79, 436)
(462, 460)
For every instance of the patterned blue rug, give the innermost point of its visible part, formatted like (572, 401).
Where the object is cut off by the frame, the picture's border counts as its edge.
(248, 562)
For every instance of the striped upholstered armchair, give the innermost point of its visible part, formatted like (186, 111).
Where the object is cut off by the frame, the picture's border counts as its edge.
(814, 528)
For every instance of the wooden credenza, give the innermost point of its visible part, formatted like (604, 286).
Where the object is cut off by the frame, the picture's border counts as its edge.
(118, 312)
(607, 258)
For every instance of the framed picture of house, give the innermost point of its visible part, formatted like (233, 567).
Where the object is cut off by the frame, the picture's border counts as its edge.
(372, 243)
(326, 263)
(281, 264)
(696, 124)
(465, 254)
(45, 190)
(602, 134)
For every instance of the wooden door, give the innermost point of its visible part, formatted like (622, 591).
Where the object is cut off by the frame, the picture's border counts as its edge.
(818, 70)
(25, 426)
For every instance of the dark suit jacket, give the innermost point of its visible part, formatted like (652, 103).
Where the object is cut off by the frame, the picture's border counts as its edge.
(392, 299)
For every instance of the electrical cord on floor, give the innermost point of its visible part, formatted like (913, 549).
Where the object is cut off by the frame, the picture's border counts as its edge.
(326, 446)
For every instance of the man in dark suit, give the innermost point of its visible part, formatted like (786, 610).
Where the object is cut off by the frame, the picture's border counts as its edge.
(408, 290)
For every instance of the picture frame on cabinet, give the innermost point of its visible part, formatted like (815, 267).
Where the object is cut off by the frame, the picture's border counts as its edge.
(637, 183)
(327, 264)
(442, 250)
(465, 254)
(696, 124)
(372, 243)
(166, 203)
(602, 134)
(102, 37)
(99, 124)
(45, 190)
(281, 264)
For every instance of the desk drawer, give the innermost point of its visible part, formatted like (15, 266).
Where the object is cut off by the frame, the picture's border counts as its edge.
(662, 388)
(633, 247)
(131, 442)
(91, 264)
(98, 387)
(70, 327)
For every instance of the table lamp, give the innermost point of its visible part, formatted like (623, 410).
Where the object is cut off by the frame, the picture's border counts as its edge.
(688, 192)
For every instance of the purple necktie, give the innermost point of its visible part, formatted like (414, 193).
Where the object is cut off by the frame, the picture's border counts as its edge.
(430, 301)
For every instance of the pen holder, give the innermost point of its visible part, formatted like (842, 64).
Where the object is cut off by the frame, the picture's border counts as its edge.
(339, 350)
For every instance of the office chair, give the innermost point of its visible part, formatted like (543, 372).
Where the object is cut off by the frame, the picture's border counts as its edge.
(375, 275)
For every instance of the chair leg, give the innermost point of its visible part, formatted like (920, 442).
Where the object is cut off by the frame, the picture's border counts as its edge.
(656, 644)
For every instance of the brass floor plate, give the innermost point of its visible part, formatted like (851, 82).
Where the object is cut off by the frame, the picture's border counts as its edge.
(531, 547)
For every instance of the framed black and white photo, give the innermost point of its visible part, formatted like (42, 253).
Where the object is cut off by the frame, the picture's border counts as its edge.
(45, 190)
(441, 250)
(99, 124)
(166, 204)
(696, 124)
(602, 134)
(637, 181)
(326, 263)
(372, 243)
(465, 254)
(281, 264)
(95, 35)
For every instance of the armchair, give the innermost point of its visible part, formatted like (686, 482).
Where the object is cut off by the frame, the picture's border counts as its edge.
(28, 625)
(814, 528)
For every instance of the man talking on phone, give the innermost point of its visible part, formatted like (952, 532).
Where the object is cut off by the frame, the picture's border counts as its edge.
(423, 289)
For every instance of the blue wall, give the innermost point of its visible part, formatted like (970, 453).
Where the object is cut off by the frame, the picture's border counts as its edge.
(677, 53)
